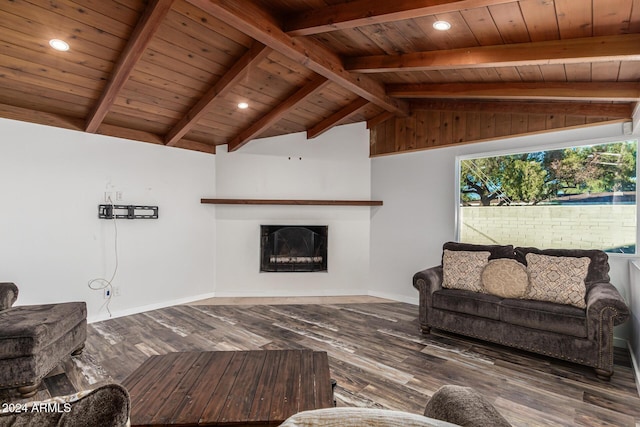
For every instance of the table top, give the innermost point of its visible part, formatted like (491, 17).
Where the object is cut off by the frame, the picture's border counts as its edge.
(228, 387)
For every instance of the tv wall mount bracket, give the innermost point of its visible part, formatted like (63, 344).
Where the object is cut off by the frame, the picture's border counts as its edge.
(127, 212)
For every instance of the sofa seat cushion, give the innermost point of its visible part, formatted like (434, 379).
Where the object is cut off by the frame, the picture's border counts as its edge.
(28, 329)
(473, 303)
(545, 316)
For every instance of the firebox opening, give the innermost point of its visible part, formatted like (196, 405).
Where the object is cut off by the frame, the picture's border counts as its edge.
(293, 248)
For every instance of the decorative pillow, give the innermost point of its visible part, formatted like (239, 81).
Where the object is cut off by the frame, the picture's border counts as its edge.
(598, 267)
(506, 278)
(557, 279)
(462, 269)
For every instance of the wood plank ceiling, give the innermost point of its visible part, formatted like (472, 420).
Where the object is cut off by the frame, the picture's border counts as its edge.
(173, 71)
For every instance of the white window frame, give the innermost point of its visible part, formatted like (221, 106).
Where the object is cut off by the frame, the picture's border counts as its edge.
(548, 147)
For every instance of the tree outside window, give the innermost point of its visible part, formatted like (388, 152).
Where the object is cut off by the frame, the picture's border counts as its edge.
(578, 192)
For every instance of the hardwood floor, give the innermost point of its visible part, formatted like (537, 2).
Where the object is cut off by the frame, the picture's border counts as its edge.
(376, 353)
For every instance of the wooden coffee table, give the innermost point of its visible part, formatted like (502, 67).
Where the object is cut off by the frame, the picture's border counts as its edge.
(228, 387)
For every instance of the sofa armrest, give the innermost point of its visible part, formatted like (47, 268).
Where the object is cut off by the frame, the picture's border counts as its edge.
(605, 309)
(604, 303)
(427, 282)
(8, 295)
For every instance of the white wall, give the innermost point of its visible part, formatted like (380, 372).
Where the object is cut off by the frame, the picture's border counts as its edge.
(335, 165)
(52, 180)
(634, 304)
(418, 216)
(51, 183)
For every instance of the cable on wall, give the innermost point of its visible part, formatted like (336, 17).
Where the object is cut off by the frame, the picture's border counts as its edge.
(100, 283)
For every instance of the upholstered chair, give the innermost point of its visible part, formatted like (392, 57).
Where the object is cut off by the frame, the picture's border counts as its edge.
(463, 406)
(34, 339)
(105, 406)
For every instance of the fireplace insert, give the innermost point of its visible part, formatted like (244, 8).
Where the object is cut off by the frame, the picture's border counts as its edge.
(293, 248)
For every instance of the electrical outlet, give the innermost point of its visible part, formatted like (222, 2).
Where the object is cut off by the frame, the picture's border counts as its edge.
(107, 293)
(108, 196)
(116, 291)
(118, 196)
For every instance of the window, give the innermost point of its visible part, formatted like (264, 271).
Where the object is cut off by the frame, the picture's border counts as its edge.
(581, 197)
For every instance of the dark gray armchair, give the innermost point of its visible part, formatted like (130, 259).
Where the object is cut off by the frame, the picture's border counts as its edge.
(463, 406)
(34, 339)
(105, 406)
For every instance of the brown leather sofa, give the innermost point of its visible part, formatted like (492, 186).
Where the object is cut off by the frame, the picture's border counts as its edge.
(583, 336)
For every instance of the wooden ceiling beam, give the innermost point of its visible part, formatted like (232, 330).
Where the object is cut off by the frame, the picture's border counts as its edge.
(561, 91)
(41, 117)
(277, 113)
(148, 24)
(237, 72)
(260, 25)
(138, 135)
(331, 121)
(74, 123)
(368, 12)
(573, 51)
(590, 109)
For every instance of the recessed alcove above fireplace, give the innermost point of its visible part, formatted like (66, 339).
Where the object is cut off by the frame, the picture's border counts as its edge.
(293, 248)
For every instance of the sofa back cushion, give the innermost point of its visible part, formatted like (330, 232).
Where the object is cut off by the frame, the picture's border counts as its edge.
(495, 251)
(598, 267)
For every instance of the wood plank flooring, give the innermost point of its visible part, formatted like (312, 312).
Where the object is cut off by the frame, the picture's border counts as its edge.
(377, 355)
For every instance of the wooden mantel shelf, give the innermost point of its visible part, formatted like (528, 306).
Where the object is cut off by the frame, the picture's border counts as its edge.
(292, 202)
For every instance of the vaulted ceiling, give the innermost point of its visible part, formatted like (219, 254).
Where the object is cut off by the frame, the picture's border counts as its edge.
(174, 71)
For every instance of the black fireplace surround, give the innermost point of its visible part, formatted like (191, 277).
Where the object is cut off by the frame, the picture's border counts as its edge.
(293, 248)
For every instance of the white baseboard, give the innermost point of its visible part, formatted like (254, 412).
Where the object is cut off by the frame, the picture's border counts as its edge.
(636, 367)
(394, 297)
(620, 342)
(155, 306)
(284, 294)
(141, 309)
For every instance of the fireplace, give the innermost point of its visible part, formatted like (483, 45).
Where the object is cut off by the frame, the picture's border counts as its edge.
(293, 248)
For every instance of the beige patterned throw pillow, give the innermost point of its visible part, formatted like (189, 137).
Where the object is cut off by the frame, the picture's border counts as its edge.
(462, 269)
(557, 279)
(506, 278)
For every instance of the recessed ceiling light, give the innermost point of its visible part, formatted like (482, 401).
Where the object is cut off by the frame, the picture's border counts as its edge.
(243, 105)
(441, 25)
(58, 44)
